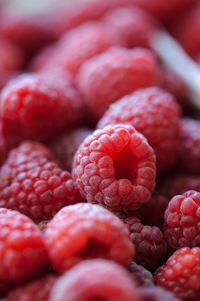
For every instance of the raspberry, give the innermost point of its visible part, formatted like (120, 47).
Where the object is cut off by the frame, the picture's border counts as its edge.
(33, 184)
(132, 24)
(156, 294)
(156, 114)
(29, 99)
(181, 274)
(22, 253)
(190, 145)
(141, 276)
(92, 280)
(149, 243)
(115, 167)
(38, 290)
(182, 220)
(93, 231)
(66, 146)
(113, 74)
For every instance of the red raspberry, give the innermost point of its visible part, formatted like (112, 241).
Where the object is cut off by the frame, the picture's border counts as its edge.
(182, 220)
(115, 167)
(22, 254)
(181, 274)
(132, 24)
(38, 290)
(113, 74)
(149, 242)
(33, 184)
(156, 294)
(92, 280)
(94, 232)
(190, 145)
(28, 100)
(141, 276)
(66, 146)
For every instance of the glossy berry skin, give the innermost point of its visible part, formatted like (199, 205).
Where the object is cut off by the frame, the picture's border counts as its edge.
(156, 294)
(114, 74)
(94, 232)
(31, 182)
(182, 220)
(38, 290)
(115, 167)
(181, 274)
(22, 254)
(190, 145)
(156, 114)
(29, 99)
(141, 276)
(149, 242)
(91, 280)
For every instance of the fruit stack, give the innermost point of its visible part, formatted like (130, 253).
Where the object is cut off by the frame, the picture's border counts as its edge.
(99, 154)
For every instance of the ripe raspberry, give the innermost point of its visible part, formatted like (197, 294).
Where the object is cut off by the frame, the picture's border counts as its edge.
(115, 167)
(33, 184)
(141, 276)
(38, 290)
(190, 145)
(149, 242)
(156, 294)
(29, 99)
(22, 254)
(182, 220)
(181, 274)
(156, 114)
(92, 280)
(66, 146)
(94, 232)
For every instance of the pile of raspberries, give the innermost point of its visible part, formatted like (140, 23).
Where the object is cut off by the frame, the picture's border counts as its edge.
(99, 155)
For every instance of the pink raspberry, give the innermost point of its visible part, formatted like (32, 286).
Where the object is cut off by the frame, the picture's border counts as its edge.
(65, 147)
(22, 254)
(156, 294)
(149, 243)
(182, 220)
(113, 74)
(115, 167)
(141, 276)
(93, 231)
(92, 280)
(31, 182)
(28, 100)
(181, 274)
(190, 145)
(156, 114)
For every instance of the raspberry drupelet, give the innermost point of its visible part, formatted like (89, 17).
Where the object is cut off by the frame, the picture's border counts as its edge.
(22, 254)
(93, 231)
(156, 114)
(115, 167)
(141, 276)
(114, 74)
(29, 99)
(92, 280)
(182, 220)
(181, 274)
(156, 294)
(31, 182)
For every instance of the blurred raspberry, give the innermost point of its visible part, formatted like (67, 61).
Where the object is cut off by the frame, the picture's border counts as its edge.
(141, 276)
(114, 74)
(156, 294)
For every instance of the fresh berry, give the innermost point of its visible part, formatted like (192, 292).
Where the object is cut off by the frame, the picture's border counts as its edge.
(31, 182)
(149, 243)
(182, 220)
(86, 231)
(92, 280)
(66, 146)
(190, 145)
(156, 114)
(113, 74)
(181, 274)
(38, 290)
(141, 276)
(156, 294)
(22, 254)
(115, 167)
(28, 100)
